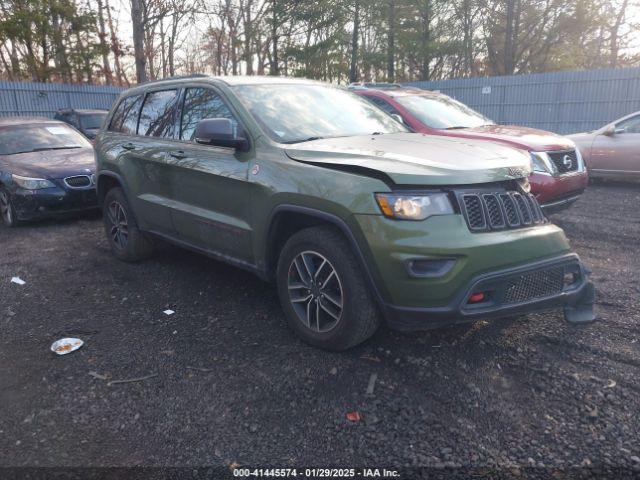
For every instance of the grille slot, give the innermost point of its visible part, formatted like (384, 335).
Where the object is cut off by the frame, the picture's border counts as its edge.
(565, 161)
(78, 181)
(494, 211)
(523, 208)
(485, 211)
(474, 212)
(534, 285)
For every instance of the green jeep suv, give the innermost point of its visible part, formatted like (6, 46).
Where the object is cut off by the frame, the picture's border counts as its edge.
(356, 219)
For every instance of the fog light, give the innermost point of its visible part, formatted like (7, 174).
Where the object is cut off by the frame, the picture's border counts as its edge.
(476, 297)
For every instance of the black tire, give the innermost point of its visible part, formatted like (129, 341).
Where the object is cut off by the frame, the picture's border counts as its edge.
(8, 215)
(127, 242)
(358, 317)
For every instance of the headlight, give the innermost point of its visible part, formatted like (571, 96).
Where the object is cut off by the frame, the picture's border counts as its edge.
(580, 160)
(540, 163)
(413, 206)
(31, 183)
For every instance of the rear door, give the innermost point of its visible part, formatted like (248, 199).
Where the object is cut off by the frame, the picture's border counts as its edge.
(619, 152)
(211, 194)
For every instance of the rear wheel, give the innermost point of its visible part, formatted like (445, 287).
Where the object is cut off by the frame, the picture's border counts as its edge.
(7, 212)
(127, 242)
(323, 291)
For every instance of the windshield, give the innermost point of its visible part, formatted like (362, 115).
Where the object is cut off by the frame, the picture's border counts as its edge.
(442, 112)
(35, 138)
(93, 120)
(296, 113)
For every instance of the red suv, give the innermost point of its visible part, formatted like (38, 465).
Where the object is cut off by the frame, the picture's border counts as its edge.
(559, 175)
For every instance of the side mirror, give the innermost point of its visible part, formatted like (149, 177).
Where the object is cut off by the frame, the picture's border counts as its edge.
(611, 130)
(219, 132)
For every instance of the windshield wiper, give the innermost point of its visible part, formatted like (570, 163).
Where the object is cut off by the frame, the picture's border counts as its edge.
(457, 127)
(44, 149)
(310, 139)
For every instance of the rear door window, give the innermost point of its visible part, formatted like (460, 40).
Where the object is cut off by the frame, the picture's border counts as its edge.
(201, 103)
(125, 117)
(156, 117)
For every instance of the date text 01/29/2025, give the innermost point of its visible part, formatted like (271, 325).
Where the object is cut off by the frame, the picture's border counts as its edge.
(316, 472)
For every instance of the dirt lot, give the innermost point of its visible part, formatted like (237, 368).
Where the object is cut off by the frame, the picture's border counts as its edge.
(232, 384)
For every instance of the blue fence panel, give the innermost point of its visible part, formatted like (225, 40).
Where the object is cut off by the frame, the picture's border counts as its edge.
(43, 99)
(562, 102)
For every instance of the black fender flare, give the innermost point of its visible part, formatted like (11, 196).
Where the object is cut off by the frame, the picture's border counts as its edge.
(336, 221)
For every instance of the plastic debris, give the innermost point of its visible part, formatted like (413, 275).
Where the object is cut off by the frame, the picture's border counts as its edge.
(66, 345)
(333, 371)
(354, 416)
(168, 312)
(372, 383)
(18, 281)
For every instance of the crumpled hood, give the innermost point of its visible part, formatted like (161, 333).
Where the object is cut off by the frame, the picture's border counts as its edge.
(51, 164)
(417, 159)
(526, 138)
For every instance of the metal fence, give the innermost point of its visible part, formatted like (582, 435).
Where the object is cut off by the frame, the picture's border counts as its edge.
(562, 102)
(43, 99)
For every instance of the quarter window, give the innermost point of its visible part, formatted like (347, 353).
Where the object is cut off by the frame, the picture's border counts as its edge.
(201, 103)
(125, 117)
(156, 117)
(384, 105)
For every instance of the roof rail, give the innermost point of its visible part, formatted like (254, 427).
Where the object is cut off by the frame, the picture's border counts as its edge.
(176, 77)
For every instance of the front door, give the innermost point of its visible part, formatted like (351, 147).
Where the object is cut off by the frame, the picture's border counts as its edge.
(211, 194)
(619, 152)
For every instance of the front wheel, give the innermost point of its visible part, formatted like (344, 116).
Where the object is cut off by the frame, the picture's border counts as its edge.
(7, 212)
(323, 291)
(127, 242)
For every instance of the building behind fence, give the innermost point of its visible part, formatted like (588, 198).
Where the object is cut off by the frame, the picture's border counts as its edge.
(562, 102)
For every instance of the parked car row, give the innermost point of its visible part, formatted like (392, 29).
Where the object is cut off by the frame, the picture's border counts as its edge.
(380, 204)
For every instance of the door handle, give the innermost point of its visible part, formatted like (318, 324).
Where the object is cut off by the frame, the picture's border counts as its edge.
(178, 154)
(129, 146)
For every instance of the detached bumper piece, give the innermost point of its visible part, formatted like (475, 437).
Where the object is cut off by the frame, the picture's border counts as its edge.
(561, 282)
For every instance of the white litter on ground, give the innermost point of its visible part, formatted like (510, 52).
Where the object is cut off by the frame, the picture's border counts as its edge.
(168, 312)
(18, 280)
(66, 345)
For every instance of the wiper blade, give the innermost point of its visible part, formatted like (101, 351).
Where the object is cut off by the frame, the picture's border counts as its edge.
(310, 139)
(457, 127)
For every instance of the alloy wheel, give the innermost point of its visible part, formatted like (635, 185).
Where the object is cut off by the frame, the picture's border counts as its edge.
(118, 225)
(315, 291)
(5, 208)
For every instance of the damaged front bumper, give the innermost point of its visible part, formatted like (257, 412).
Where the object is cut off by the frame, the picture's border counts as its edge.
(561, 282)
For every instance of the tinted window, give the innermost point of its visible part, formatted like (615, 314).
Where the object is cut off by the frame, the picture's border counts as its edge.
(125, 117)
(156, 117)
(384, 105)
(92, 120)
(630, 125)
(38, 138)
(200, 103)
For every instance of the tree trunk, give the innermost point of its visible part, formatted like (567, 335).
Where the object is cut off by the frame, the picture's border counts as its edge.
(391, 42)
(106, 68)
(138, 41)
(273, 67)
(353, 70)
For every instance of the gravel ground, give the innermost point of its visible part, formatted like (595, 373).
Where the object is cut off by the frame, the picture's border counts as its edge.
(231, 384)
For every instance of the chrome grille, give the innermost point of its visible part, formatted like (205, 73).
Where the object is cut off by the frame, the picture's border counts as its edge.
(534, 285)
(565, 161)
(485, 211)
(79, 181)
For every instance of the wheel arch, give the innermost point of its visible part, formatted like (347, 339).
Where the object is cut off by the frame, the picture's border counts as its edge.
(106, 181)
(286, 220)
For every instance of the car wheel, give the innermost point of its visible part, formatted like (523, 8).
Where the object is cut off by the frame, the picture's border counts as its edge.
(127, 242)
(7, 212)
(323, 291)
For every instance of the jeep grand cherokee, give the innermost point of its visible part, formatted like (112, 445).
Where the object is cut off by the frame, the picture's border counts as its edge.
(355, 219)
